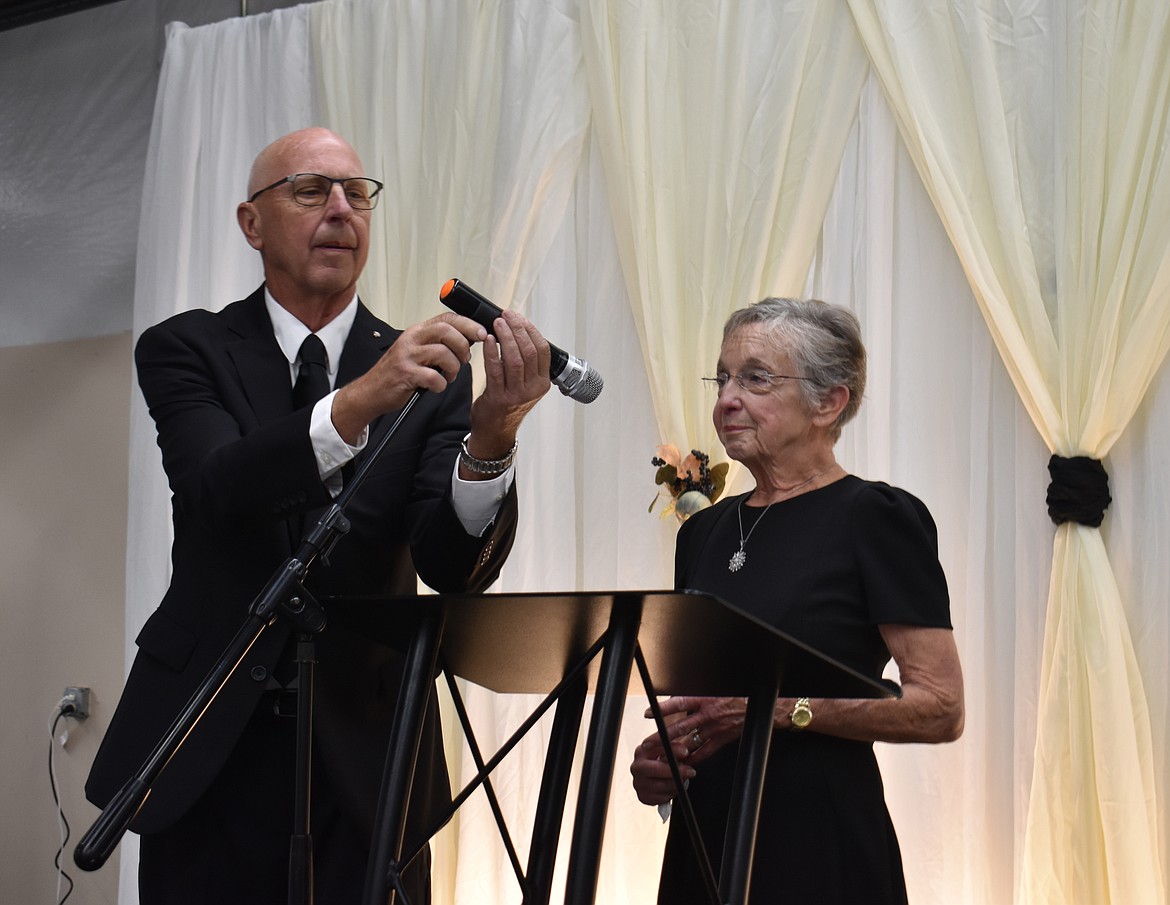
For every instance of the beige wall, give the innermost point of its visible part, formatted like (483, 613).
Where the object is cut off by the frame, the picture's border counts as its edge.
(64, 424)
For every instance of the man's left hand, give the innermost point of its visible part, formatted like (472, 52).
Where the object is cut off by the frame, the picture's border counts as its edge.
(516, 364)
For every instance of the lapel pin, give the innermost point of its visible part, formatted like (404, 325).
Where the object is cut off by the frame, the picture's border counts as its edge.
(377, 334)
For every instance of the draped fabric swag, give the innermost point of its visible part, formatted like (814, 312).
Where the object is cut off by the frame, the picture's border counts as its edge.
(1068, 256)
(210, 118)
(627, 174)
(721, 135)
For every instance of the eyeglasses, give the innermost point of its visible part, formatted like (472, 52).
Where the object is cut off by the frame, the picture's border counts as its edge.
(755, 382)
(313, 190)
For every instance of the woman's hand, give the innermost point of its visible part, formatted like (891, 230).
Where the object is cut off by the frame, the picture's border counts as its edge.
(930, 710)
(697, 727)
(652, 780)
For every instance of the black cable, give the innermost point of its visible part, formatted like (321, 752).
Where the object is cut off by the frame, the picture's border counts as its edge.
(60, 811)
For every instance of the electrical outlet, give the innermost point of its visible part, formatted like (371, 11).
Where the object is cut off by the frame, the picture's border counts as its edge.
(75, 702)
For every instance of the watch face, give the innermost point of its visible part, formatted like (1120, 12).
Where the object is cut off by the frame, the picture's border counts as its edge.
(801, 716)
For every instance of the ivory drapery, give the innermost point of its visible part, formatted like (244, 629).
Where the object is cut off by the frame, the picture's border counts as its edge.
(940, 419)
(1041, 135)
(211, 116)
(721, 135)
(475, 116)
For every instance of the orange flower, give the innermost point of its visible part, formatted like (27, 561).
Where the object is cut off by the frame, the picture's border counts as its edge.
(669, 454)
(689, 468)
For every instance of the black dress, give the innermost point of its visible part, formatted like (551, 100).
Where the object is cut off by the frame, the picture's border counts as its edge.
(826, 567)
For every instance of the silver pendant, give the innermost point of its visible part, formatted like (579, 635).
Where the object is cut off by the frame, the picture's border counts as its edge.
(738, 558)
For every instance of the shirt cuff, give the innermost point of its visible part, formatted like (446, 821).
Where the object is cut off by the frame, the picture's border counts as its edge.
(330, 451)
(477, 502)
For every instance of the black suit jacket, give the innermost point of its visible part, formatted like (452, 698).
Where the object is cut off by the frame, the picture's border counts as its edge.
(243, 479)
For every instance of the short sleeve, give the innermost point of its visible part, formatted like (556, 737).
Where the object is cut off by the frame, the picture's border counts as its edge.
(895, 542)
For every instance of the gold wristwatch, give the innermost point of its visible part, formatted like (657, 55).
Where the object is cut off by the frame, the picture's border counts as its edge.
(801, 714)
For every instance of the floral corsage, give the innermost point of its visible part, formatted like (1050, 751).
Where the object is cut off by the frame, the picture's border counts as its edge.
(692, 483)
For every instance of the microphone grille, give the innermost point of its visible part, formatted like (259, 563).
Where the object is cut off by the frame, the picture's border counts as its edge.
(587, 388)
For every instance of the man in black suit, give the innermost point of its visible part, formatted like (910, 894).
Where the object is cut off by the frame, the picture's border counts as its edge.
(249, 468)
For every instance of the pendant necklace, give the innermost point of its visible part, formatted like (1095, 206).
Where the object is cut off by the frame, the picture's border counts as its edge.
(738, 558)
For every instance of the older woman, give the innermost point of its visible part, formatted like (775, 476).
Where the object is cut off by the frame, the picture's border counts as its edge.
(846, 565)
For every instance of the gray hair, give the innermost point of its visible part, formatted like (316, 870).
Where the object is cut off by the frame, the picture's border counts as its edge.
(822, 341)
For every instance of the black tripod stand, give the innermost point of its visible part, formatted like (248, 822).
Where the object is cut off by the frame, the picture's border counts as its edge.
(284, 596)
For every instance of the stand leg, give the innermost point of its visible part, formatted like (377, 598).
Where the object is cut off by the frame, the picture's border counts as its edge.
(740, 839)
(300, 858)
(601, 749)
(390, 823)
(103, 836)
(554, 786)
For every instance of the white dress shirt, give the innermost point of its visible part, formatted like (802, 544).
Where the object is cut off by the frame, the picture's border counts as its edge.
(476, 502)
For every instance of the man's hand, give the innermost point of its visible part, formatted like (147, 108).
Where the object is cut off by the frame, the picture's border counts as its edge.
(516, 363)
(426, 356)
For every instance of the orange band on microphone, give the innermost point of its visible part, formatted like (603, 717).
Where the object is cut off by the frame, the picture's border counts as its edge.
(447, 287)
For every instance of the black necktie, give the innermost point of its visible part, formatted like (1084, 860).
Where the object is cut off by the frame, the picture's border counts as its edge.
(313, 376)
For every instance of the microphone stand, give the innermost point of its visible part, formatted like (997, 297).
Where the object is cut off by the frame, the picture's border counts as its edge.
(283, 595)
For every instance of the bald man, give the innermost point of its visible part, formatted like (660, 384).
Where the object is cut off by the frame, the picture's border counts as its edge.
(250, 462)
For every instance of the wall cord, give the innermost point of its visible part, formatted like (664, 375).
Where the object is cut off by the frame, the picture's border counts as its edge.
(61, 711)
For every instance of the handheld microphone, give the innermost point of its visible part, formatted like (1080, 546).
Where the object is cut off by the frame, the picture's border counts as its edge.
(572, 376)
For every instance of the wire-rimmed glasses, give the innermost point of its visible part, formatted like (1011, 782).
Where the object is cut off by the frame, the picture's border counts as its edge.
(754, 381)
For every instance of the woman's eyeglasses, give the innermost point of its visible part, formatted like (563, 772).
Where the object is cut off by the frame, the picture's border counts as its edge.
(756, 382)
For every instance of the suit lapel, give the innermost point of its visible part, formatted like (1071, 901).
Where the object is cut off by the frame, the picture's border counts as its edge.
(263, 369)
(368, 339)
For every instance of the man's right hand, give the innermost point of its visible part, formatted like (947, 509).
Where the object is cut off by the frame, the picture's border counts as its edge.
(426, 356)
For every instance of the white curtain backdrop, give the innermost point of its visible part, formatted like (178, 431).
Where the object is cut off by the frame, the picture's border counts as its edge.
(225, 91)
(721, 135)
(1068, 256)
(941, 419)
(479, 119)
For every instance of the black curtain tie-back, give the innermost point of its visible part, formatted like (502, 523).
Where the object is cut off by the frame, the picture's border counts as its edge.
(1079, 491)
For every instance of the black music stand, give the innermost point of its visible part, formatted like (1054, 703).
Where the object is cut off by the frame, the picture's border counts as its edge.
(548, 644)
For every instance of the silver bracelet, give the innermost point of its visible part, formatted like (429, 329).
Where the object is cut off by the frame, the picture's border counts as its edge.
(486, 466)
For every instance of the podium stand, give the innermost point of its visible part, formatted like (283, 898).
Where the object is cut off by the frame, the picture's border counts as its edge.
(549, 644)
